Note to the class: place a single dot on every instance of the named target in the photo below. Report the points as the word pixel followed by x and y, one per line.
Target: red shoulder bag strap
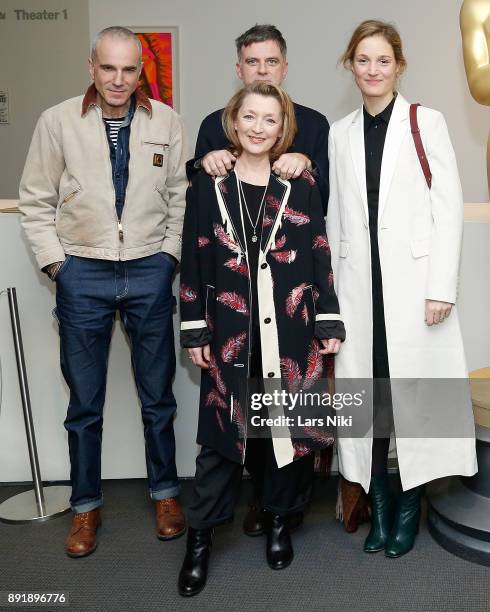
pixel 418 144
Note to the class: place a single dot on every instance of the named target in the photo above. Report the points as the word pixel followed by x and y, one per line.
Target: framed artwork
pixel 159 77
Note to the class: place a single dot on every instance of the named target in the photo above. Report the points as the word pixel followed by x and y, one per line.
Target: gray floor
pixel 132 570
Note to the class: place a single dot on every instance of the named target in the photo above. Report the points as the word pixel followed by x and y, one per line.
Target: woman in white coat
pixel 396 240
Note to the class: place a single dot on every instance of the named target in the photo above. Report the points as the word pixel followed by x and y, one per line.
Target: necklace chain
pixel 254 225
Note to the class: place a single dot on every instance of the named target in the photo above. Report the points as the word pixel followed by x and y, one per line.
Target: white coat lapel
pixel 226 189
pixel 356 141
pixel 395 133
pixel 276 200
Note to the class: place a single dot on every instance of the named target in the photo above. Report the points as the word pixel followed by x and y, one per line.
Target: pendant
pixel 254 238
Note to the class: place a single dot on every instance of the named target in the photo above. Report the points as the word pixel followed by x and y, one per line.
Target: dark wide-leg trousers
pixel 282 491
pixel 285 490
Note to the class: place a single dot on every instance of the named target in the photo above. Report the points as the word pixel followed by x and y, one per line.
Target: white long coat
pixel 419 233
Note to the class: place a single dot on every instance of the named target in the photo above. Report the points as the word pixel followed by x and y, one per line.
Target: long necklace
pixel 254 225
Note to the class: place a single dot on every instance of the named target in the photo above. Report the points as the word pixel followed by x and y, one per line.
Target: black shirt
pixel 254 198
pixel 374 140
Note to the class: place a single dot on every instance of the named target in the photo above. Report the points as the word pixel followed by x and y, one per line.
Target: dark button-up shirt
pixel 120 159
pixel 374 140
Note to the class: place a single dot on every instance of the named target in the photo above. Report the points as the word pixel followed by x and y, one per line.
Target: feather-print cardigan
pixel 297 302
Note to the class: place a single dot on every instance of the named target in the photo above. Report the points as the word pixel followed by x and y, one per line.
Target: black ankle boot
pixel 194 571
pixel 406 525
pixel 279 547
pixel 382 513
pixel 255 522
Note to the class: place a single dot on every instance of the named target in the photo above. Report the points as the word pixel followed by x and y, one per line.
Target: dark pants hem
pixel 217 484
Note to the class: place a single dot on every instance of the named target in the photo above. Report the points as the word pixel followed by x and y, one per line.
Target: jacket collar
pixel 399 111
pixel 395 133
pixel 384 116
pixel 398 128
pixel 275 201
pixel 90 99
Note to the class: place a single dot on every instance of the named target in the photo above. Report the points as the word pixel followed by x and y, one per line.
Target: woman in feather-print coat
pixel 297 313
pixel 295 297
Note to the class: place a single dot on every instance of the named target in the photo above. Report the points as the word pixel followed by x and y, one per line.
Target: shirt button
pixel 263 266
pixel 270 374
pixel 267 320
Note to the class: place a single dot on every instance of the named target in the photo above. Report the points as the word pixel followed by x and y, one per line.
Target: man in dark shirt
pixel 262 56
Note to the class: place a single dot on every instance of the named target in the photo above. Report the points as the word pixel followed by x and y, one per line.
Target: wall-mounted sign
pixel 4 106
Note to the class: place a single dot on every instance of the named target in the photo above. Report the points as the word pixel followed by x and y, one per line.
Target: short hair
pixel 373 27
pixel 262 88
pixel 260 33
pixel 115 32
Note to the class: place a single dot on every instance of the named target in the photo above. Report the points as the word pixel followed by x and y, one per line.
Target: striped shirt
pixel 114 125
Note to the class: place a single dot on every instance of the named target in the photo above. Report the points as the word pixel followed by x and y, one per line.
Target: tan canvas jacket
pixel 67 197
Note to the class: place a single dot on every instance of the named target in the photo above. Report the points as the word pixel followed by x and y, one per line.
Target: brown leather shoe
pixel 170 519
pixel 82 539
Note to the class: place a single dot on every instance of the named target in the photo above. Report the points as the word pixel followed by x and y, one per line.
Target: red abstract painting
pixel 157 75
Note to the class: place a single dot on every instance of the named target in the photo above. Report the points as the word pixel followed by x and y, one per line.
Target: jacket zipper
pixel 119 221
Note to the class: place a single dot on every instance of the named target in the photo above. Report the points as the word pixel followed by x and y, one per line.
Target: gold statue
pixel 474 21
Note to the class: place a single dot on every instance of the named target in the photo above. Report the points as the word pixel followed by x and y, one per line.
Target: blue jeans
pixel 88 293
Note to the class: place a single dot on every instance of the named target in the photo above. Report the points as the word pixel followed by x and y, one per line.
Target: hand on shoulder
pixel 218 163
pixel 291 165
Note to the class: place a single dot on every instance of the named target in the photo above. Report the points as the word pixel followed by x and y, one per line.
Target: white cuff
pixel 192 324
pixel 328 317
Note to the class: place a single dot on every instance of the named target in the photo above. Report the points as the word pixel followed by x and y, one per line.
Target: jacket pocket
pixel 344 248
pixel 63 267
pixel 310 302
pixel 155 142
pixel 157 152
pixel 69 192
pixel 420 247
pixel 161 193
pixel 210 307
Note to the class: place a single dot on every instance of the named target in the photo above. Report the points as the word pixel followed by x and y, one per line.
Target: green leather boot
pixel 406 525
pixel 382 513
